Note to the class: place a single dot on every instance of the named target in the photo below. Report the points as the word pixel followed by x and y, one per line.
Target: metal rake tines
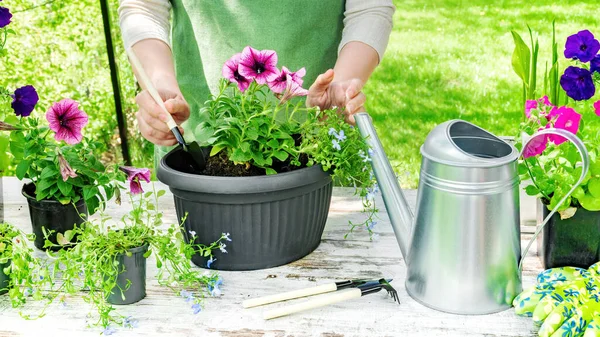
pixel 391 291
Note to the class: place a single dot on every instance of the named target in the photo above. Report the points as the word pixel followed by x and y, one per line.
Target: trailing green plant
pixel 91 261
pixel 255 120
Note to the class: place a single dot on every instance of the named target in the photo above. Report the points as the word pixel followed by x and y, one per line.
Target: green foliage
pixel 88 257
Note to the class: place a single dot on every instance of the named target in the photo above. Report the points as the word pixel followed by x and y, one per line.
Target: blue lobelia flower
pixel 213 288
pixel 335 144
pixel 371 224
pixel 109 331
pixel 128 322
pixel 197 308
pixel 578 83
pixel 226 236
pixel 222 247
pixel 582 46
pixel 332 131
pixel 192 233
pixel 187 295
pixel 210 261
pixel 595 64
pixel 341 136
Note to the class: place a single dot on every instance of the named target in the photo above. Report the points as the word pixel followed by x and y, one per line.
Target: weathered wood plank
pixel 164 313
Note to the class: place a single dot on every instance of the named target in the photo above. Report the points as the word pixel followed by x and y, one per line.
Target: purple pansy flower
pixel 24 100
pixel 582 46
pixel 5 17
pixel 65 169
pixel 258 65
pixel 231 72
pixel 578 83
pixel 135 176
pixel 67 121
pixel 595 64
pixel 279 83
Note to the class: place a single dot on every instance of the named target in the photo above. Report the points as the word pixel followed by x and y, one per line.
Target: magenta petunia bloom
pixel 279 83
pixel 66 120
pixel 65 169
pixel 582 46
pixel 231 72
pixel 135 176
pixel 24 100
pixel 597 108
pixel 260 66
pixel 568 119
pixel 536 146
pixel 530 105
pixel 5 17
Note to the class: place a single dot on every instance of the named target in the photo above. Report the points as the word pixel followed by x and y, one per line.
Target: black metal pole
pixel 114 76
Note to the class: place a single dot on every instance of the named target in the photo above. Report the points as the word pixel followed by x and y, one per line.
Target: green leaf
pixel 48 172
pixel 90 192
pixel 532 190
pixel 281 155
pixel 64 187
pixel 595 167
pixel 216 149
pixel 43 185
pixel 578 193
pixel 270 171
pixel 520 58
pixel 22 169
pixel 61 239
pixel 160 193
pixel 594 187
pixel 92 204
pixel 590 203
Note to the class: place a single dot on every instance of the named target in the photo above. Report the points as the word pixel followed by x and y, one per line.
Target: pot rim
pixel 238 185
pixel 44 201
pixel 142 248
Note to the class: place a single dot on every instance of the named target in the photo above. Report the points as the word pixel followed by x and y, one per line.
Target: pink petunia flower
pixel 568 119
pixel 279 83
pixel 536 146
pixel 260 66
pixel 292 90
pixel 231 72
pixel 597 108
pixel 65 169
pixel 135 176
pixel 545 101
pixel 66 120
pixel 530 105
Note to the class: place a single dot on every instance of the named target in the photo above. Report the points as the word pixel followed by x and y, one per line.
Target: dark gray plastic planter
pixel 570 242
pixel 273 220
pixel 133 269
pixel 52 215
pixel 4 279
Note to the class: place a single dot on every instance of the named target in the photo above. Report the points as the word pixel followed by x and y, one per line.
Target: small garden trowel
pixel 196 157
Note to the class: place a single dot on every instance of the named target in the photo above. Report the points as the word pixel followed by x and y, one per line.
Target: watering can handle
pixel 585 167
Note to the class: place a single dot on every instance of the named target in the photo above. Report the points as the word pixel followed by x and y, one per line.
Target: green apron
pixel 206 33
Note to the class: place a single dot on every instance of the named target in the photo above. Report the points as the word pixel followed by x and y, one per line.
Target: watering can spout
pixel 397 207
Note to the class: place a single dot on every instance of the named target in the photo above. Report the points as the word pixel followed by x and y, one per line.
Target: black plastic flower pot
pixel 273 220
pixel 131 282
pixel 4 278
pixel 52 215
pixel 569 242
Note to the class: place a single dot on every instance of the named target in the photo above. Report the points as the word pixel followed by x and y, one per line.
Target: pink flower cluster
pixel 261 66
pixel 558 117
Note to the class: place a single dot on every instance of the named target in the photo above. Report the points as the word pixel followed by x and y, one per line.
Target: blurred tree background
pixel 446 59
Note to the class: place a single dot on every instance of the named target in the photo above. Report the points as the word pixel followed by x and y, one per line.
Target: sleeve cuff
pixel 138 28
pixel 372 29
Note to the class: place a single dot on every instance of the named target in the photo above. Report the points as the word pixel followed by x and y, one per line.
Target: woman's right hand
pixel 152 119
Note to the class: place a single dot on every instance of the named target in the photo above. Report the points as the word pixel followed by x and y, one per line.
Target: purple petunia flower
pixel 582 46
pixel 595 64
pixel 231 72
pixel 258 65
pixel 5 17
pixel 279 84
pixel 24 100
pixel 197 308
pixel 135 176
pixel 67 121
pixel 578 83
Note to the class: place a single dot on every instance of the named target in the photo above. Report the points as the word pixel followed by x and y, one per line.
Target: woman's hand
pixel 152 119
pixel 326 93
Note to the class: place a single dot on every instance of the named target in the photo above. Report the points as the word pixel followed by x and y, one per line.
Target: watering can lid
pixel 460 143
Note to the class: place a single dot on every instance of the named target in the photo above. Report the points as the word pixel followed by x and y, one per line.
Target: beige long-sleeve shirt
pixel 367 21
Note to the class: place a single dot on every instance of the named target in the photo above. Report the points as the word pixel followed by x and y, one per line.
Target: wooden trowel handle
pixel 336 297
pixel 254 302
pixel 145 81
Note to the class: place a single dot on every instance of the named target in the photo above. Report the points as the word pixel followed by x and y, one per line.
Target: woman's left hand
pixel 347 95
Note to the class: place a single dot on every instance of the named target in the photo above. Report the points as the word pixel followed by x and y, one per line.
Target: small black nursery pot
pixel 132 271
pixel 4 279
pixel 52 215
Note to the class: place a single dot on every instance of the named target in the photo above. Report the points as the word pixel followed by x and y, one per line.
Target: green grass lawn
pixel 451 59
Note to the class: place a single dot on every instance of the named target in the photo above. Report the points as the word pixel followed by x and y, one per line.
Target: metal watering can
pixel 462 249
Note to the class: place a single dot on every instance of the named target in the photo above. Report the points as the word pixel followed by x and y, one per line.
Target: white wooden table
pixel 163 313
